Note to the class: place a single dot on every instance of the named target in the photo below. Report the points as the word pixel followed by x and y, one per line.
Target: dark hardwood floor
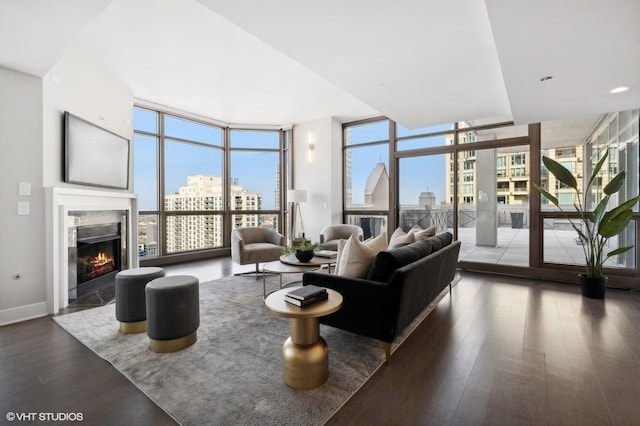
pixel 498 350
pixel 43 369
pixel 509 351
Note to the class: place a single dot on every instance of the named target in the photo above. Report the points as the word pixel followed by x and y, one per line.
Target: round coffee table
pixel 280 268
pixel 291 259
pixel 305 355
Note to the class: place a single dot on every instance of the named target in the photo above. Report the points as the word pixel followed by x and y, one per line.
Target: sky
pixel 256 171
pixel 417 174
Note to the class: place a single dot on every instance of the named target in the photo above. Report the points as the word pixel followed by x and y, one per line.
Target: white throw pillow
pixel 424 234
pixel 341 244
pixel 414 228
pixel 355 259
pixel 399 237
pixel 378 243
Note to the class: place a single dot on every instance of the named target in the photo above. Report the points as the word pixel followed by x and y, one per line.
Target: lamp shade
pixel 297 195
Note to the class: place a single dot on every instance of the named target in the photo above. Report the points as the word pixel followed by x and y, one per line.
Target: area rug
pixel 233 373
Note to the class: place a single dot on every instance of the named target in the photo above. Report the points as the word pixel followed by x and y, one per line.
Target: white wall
pixel 31 113
pixel 81 86
pixel 319 171
pixel 22 249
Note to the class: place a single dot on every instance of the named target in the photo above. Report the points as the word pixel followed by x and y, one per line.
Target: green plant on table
pixel 302 246
pixel 598 226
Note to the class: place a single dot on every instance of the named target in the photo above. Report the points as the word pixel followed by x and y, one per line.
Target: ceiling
pixel 419 62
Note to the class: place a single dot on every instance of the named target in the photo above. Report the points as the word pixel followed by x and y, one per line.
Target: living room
pixel 71 76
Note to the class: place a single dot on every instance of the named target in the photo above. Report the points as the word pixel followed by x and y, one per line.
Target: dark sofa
pixel 400 284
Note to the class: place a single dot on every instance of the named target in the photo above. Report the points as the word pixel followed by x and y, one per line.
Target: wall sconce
pixel 310 147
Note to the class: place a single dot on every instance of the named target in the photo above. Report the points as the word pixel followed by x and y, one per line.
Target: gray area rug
pixel 232 374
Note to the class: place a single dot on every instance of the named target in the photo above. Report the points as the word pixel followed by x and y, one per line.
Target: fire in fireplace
pixel 98 256
pixel 95 263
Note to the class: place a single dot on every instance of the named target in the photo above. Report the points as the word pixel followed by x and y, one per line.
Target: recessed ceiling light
pixel 546 77
pixel 619 89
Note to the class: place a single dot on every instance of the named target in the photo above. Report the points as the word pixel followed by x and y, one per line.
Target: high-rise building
pixel 200 231
pixel 513 175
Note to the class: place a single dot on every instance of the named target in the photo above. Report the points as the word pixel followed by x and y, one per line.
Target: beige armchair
pixel 255 245
pixel 330 235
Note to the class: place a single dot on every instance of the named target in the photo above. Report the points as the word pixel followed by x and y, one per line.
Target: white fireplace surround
pixel 61 201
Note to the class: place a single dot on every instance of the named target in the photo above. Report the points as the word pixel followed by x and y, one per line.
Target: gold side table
pixel 305 355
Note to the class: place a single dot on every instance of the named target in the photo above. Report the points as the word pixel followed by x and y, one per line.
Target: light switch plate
pixel 24 208
pixel 24 188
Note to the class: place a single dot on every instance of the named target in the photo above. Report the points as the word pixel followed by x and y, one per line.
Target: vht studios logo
pixel 45 417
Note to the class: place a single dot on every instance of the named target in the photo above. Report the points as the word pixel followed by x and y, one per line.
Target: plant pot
pixel 304 256
pixel 592 288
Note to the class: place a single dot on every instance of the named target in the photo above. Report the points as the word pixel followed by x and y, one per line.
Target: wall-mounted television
pixel 93 155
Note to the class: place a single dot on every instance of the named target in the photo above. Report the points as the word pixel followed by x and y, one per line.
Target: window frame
pixel 227 212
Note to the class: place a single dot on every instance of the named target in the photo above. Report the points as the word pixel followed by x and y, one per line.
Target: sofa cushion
pixel 355 258
pixel 440 240
pixel 386 262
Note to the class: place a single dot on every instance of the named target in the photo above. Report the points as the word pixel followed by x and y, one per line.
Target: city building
pixel 201 231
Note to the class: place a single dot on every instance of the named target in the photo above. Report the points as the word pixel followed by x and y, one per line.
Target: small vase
pixel 593 288
pixel 304 256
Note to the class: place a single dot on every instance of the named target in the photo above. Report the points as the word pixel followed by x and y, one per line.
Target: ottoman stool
pixel 173 312
pixel 130 304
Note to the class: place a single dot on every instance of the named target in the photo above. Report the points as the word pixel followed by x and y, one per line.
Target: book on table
pixel 306 292
pixel 330 254
pixel 306 302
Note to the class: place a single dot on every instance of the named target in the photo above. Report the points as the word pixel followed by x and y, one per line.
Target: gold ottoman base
pixel 305 366
pixel 133 327
pixel 173 345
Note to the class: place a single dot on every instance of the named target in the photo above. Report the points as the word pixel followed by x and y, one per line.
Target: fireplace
pixel 98 248
pixel 67 209
pixel 96 252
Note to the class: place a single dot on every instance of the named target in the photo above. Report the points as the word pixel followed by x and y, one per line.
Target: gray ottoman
pixel 130 304
pixel 173 312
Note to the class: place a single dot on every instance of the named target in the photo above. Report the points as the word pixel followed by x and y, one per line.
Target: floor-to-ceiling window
pixel 475 179
pixel 255 178
pixel 196 180
pixel 366 175
pixel 578 145
pixel 193 189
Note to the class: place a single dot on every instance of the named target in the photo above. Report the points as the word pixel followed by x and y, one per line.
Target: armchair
pixel 330 235
pixel 255 245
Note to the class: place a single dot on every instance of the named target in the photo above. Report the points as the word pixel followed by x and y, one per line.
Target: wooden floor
pixel 509 351
pixel 498 350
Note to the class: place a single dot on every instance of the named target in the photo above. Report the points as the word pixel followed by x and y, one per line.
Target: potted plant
pixel 303 250
pixel 594 228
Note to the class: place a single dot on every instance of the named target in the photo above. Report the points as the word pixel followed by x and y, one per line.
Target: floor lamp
pixel 297 196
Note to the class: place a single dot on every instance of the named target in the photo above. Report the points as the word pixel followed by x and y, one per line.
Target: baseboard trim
pixel 23 313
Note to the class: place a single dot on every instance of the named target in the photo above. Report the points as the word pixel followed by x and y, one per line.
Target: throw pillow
pixel 378 243
pixel 355 259
pixel 400 238
pixel 340 249
pixel 423 234
pixel 414 228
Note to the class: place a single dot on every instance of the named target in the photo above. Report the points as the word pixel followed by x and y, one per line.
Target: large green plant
pixel 597 226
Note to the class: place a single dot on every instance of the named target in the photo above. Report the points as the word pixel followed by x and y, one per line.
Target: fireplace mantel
pixel 61 201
